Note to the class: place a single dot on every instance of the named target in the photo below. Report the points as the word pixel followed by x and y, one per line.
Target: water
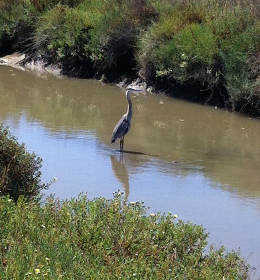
pixel 198 162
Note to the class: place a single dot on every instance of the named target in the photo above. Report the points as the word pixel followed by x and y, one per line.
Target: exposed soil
pixel 21 61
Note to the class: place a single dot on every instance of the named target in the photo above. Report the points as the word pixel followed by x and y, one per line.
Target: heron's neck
pixel 130 107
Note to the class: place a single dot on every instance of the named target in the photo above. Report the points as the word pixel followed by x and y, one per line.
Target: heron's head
pixel 133 89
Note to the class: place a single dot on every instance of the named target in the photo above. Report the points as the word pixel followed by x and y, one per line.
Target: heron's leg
pixel 123 143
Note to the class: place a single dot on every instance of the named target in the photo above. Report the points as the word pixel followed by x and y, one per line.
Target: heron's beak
pixel 136 88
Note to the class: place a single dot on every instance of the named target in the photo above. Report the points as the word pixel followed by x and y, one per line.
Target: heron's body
pixel 124 124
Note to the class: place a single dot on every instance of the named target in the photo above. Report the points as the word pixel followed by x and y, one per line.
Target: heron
pixel 124 124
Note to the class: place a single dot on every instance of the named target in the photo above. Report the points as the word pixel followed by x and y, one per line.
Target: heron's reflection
pixel 121 173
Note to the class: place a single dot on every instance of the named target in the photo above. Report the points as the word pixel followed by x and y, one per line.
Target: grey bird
pixel 124 124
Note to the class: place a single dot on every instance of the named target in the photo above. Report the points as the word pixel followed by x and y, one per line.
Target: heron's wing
pixel 120 129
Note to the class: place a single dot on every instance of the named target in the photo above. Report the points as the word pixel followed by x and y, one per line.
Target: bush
pixel 63 31
pixel 192 42
pixel 101 34
pixel 19 170
pixel 17 19
pixel 106 239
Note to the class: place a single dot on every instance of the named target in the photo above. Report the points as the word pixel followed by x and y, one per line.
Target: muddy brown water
pixel 198 162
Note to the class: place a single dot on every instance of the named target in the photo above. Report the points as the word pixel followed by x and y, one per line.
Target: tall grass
pixel 105 239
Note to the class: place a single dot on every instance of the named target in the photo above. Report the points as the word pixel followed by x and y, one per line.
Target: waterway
pixel 201 163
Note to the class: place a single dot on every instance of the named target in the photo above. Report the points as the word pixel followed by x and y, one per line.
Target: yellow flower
pixel 37 270
pixel 183 64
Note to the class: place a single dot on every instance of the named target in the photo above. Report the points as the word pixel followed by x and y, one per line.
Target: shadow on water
pixel 130 152
pixel 135 153
pixel 119 167
pixel 121 173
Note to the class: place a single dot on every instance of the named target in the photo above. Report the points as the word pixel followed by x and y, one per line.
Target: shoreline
pixel 19 60
pixel 217 98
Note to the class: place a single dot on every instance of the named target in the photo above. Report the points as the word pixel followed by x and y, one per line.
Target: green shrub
pixel 19 18
pixel 106 239
pixel 19 170
pixel 180 45
pixel 63 31
pixel 188 55
pixel 103 32
pixel 192 42
pixel 237 39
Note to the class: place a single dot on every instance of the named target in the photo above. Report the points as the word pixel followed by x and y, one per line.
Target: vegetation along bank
pixel 46 238
pixel 202 50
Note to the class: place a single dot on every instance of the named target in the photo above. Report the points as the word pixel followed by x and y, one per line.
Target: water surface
pixel 198 162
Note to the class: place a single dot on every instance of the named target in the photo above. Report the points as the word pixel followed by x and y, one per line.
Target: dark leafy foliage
pixel 19 170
